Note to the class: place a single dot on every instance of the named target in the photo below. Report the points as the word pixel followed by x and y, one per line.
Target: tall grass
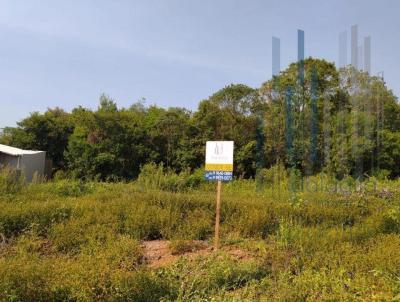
pixel 73 241
pixel 11 181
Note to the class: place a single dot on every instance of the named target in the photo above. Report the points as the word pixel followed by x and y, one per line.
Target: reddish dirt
pixel 158 254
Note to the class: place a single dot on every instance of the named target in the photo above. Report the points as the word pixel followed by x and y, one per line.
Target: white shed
pixel 28 162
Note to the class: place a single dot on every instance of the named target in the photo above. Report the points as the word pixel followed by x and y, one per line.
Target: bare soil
pixel 158 254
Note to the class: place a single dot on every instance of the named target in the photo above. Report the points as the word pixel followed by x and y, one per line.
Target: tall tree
pixel 48 132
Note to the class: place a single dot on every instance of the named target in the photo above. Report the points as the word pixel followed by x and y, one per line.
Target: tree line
pixel 341 122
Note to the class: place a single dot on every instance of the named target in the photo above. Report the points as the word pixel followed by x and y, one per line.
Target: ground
pixel 157 253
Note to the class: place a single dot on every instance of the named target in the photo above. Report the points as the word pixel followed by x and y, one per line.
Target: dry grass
pixel 84 242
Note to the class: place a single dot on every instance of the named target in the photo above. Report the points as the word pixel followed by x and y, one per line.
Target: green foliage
pixel 27 282
pixel 11 181
pixel 196 179
pixel 272 176
pixel 201 279
pixel 153 177
pixel 16 219
pixel 71 188
pixel 49 132
pixel 231 114
pixel 340 122
pixel 325 237
pixel 198 225
pixel 288 233
pixel 332 123
pixel 309 246
pixel 391 221
pixel 38 281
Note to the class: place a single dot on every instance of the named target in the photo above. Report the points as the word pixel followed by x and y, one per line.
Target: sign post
pixel 219 167
pixel 217 215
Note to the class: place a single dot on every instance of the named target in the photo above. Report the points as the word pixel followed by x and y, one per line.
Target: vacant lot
pixel 72 241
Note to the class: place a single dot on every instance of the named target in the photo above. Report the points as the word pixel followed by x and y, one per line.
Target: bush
pixel 68 237
pixel 288 233
pixel 315 246
pixel 153 177
pixel 71 188
pixel 122 252
pixel 196 225
pixel 142 286
pixel 198 280
pixel 11 181
pixel 271 177
pixel 382 174
pixel 16 219
pixel 86 280
pixel 148 223
pixel 254 222
pixel 195 179
pixel 28 281
pixel 391 221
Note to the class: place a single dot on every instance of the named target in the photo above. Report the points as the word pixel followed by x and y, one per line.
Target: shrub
pixel 28 281
pixel 254 222
pixel 142 286
pixel 68 237
pixel 271 177
pixel 288 233
pixel 198 280
pixel 391 221
pixel 195 179
pixel 382 174
pixel 146 223
pixel 71 188
pixel 122 252
pixel 153 177
pixel 15 219
pixel 11 181
pixel 317 246
pixel 197 225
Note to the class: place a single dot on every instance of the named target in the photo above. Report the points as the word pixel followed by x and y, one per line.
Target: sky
pixel 172 53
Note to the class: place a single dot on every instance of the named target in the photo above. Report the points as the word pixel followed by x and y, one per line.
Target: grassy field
pixel 72 241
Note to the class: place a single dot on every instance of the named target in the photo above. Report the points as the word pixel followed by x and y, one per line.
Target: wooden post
pixel 217 216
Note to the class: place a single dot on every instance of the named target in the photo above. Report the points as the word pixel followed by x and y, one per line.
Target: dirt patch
pixel 157 253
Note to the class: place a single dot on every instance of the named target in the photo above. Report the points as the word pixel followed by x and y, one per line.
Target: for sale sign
pixel 219 160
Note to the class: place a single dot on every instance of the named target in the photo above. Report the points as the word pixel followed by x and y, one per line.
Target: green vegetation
pixel 67 240
pixel 341 122
pixel 11 181
pixel 313 213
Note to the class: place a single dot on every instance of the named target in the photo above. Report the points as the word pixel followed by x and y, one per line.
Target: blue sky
pixel 171 52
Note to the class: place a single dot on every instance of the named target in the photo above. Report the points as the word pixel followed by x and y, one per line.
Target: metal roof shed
pixel 27 161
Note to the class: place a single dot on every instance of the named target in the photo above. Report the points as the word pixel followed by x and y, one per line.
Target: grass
pixel 180 247
pixel 73 241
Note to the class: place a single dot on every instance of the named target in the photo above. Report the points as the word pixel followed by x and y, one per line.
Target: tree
pixel 231 114
pixel 329 122
pixel 107 144
pixel 48 132
pixel 340 122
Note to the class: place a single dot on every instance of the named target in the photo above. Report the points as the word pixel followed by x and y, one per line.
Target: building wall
pixel 32 164
pixel 8 161
pixel 29 164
